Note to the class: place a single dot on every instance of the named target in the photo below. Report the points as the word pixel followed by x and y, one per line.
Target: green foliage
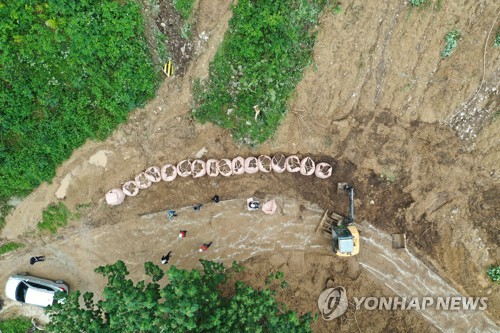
pixel 184 7
pixel 451 39
pixel 417 3
pixel 186 31
pixel 262 58
pixel 497 38
pixel 389 175
pixel 493 273
pixel 15 325
pixel 5 208
pixel 237 267
pixel 191 301
pixel 438 5
pixel 69 71
pixel 53 217
pixel 426 4
pixel 10 246
pixel 334 6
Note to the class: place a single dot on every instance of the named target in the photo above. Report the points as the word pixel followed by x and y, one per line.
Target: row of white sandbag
pixel 225 167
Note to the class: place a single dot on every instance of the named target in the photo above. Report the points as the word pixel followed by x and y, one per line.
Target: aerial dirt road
pixel 253 233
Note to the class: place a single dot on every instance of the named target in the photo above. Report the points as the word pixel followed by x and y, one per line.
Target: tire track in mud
pixel 381 67
pixel 409 277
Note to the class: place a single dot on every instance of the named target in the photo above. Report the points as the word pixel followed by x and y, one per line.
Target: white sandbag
pixel 264 163
pixel 184 168
pixel 269 207
pixel 225 167
pixel 142 181
pixel 238 165
pixel 307 166
pixel 323 170
pixel 115 197
pixel 251 165
pixel 292 163
pixel 198 168
pixel 168 172
pixel 278 163
pixel 153 173
pixel 212 168
pixel 130 188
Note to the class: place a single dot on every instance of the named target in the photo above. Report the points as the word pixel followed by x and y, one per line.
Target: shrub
pixel 184 7
pixel 69 71
pixel 5 208
pixel 54 217
pixel 191 301
pixel 15 325
pixel 497 39
pixel 493 273
pixel 451 39
pixel 417 3
pixel 262 57
pixel 9 247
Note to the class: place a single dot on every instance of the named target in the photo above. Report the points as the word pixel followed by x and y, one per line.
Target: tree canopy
pixel 190 301
pixel 69 70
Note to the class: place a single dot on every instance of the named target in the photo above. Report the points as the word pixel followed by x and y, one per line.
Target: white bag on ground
pixel 251 165
pixel 168 172
pixel 130 188
pixel 142 181
pixel 115 197
pixel 153 173
pixel 269 207
pixel 323 170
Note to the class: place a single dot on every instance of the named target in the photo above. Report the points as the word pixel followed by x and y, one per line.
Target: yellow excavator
pixel 345 235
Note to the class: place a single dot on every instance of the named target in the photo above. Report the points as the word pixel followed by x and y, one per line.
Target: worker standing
pixel 36 259
pixel 171 214
pixel 204 247
pixel 166 258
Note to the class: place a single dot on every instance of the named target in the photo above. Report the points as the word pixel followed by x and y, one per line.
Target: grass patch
pixel 69 71
pixel 493 273
pixel 497 38
pixel 15 325
pixel 53 217
pixel 418 3
pixel 184 7
pixel 426 4
pixel 451 39
pixel 9 247
pixel 335 7
pixel 5 208
pixel 389 175
pixel 262 58
pixel 438 5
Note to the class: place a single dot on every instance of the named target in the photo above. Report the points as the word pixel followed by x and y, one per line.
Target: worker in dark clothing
pixel 216 198
pixel 165 259
pixel 253 205
pixel 197 207
pixel 36 259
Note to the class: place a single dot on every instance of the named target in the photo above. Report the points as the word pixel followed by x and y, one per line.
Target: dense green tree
pixel 191 301
pixel 69 70
pixel 261 60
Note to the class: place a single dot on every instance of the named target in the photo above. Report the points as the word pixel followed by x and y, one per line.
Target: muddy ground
pixel 416 135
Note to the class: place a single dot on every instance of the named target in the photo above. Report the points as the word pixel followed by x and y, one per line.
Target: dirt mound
pixel 307 275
